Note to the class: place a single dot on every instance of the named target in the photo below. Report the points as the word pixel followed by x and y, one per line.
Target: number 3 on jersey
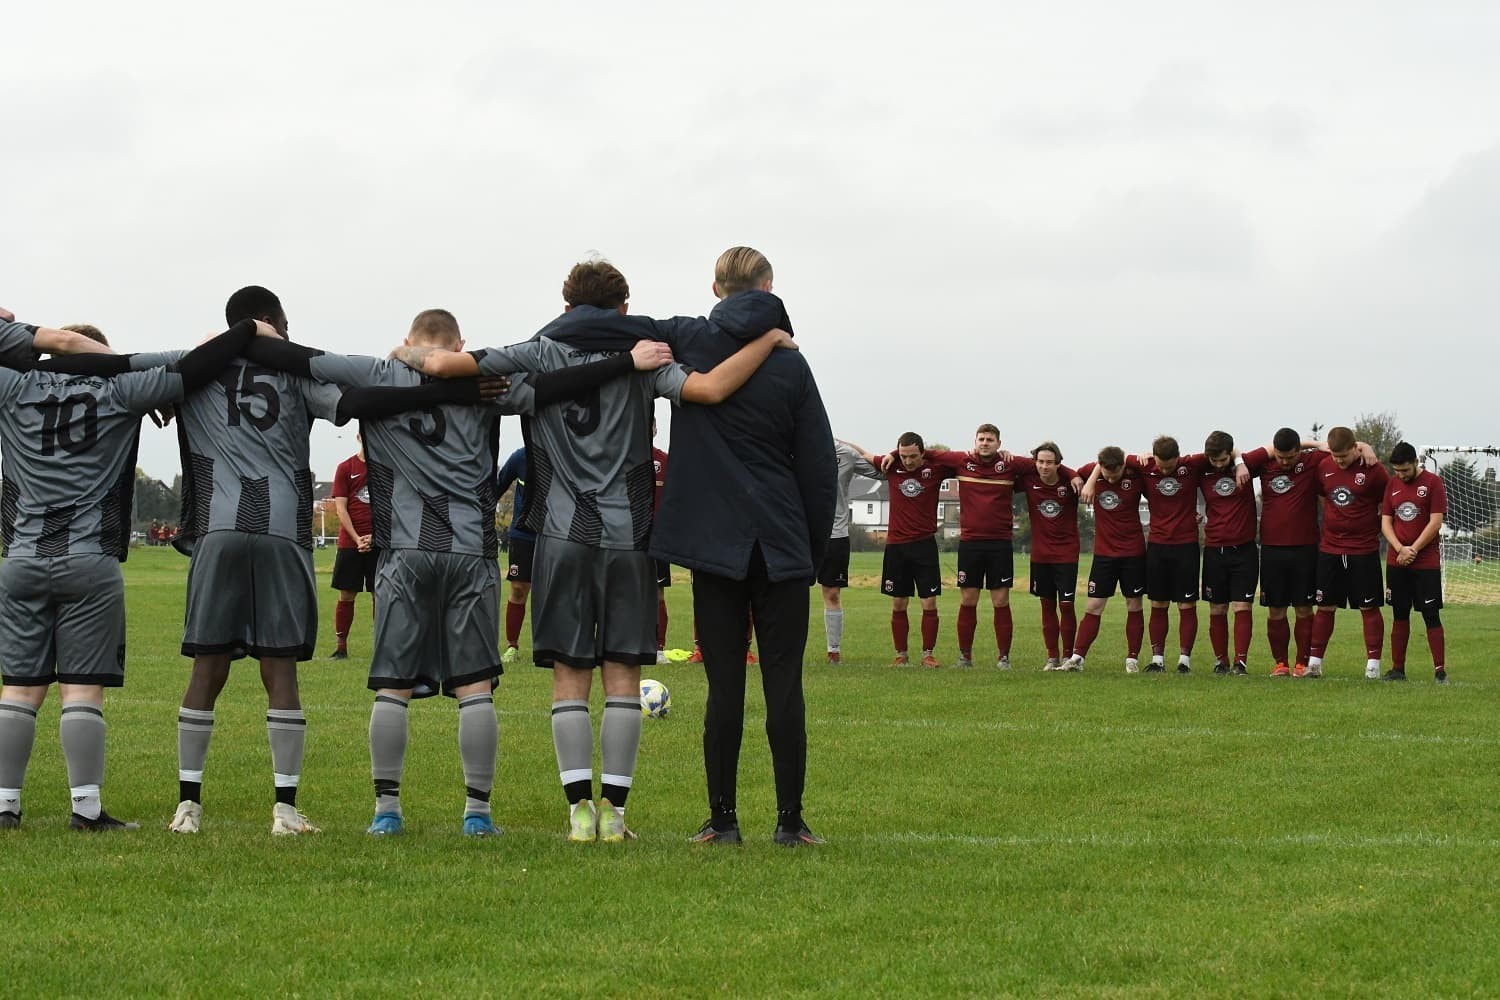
pixel 249 384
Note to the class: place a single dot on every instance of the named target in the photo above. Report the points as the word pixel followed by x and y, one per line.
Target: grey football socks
pixel 195 728
pixel 478 743
pixel 17 735
pixel 619 745
pixel 833 624
pixel 573 739
pixel 287 729
pixel 387 751
pixel 80 727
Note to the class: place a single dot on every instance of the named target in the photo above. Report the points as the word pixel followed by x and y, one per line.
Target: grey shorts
pixel 589 605
pixel 250 595
pixel 437 621
pixel 63 620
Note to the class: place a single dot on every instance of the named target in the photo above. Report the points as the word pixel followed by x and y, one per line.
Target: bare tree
pixel 1380 431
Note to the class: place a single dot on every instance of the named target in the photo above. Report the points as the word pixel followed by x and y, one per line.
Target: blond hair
pixel 739 269
pixel 435 326
pixel 88 330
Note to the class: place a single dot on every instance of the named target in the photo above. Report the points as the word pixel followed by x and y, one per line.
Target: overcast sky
pixel 1091 221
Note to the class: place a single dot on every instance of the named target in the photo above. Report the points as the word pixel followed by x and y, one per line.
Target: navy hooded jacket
pixel 758 468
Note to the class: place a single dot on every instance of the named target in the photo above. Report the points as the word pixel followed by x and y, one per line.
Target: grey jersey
pixel 245 464
pixel 851 464
pixel 69 458
pixel 591 476
pixel 16 344
pixel 431 471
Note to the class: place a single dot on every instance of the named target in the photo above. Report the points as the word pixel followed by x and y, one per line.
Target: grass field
pixel 1019 833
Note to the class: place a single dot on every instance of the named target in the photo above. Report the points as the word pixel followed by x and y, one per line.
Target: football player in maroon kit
pixel 1114 487
pixel 1411 516
pixel 911 555
pixel 1231 562
pixel 1172 547
pixel 1349 551
pixel 1052 500
pixel 986 561
pixel 1288 477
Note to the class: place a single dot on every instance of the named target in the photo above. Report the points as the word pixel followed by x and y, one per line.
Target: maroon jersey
pixel 914 499
pixel 1230 509
pixel 985 489
pixel 659 462
pixel 1288 497
pixel 1173 500
pixel 1054 514
pixel 1409 506
pixel 1117 513
pixel 349 481
pixel 1351 508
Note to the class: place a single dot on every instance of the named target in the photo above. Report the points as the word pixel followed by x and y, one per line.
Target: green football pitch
pixel 1020 833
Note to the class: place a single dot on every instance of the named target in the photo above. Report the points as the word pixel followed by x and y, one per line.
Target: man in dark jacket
pixel 748 509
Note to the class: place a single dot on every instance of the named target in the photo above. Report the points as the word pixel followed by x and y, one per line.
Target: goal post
pixel 1470 539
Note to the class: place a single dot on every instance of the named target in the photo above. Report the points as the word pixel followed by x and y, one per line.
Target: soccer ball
pixel 656 700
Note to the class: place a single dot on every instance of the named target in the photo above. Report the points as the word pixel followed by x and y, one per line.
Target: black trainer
pixel 1183 668
pixel 10 821
pixel 1220 668
pixel 1394 674
pixel 1155 668
pixel 708 835
pixel 797 836
pixel 1440 675
pixel 1239 669
pixel 339 654
pixel 103 823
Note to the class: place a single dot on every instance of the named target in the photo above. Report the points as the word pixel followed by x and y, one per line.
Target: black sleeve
pixel 372 402
pixel 566 383
pixel 815 465
pixel 203 363
pixel 85 364
pixel 282 355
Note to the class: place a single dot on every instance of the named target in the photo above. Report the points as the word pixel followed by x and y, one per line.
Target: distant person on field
pixel 355 559
pixel 1411 518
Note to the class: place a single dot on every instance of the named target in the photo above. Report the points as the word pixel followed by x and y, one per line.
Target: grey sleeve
pixel 522 357
pixel 10 386
pixel 155 359
pixel 142 392
pixel 350 369
pixel 668 380
pixel 17 343
pixel 321 398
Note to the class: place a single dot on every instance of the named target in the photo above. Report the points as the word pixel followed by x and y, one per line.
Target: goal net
pixel 1470 540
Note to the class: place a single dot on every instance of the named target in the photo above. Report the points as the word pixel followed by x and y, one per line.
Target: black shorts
pixel 1229 573
pixel 1129 572
pixel 1349 581
pixel 1407 588
pixel 987 565
pixel 1288 575
pixel 1172 572
pixel 911 567
pixel 354 570
pixel 834 571
pixel 663 572
pixel 522 552
pixel 1054 581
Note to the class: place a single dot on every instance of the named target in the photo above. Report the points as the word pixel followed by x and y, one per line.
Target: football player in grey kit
pixel 590 502
pixel 69 445
pixel 432 505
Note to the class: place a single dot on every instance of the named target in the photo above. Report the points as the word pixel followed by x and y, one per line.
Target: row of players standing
pixel 433 446
pixel 1305 563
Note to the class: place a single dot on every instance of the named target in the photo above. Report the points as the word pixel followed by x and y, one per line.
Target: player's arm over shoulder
pixel 729 375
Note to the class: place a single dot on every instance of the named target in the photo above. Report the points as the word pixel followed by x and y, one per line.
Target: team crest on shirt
pixel 1342 496
pixel 1408 511
pixel 1298 469
pixel 1359 479
pixel 1422 492
pixel 1000 466
pixel 911 488
pixel 656 466
pixel 926 473
pixel 1062 491
pixel 1109 501
pixel 1283 483
pixel 1224 486
pixel 1126 484
pixel 1049 508
pixel 1169 486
